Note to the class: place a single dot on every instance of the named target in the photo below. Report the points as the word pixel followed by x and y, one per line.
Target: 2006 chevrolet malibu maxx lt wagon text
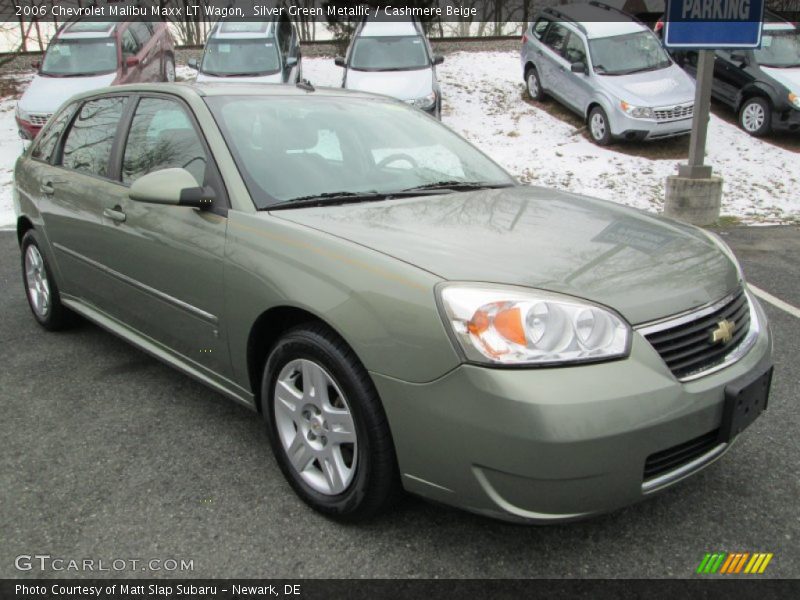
pixel 399 309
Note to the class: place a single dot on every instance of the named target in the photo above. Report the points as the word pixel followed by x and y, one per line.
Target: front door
pixel 170 258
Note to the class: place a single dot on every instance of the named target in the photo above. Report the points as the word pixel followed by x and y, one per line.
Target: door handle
pixel 115 214
pixel 539 52
pixel 47 188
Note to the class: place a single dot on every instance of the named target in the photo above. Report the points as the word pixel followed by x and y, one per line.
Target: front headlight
pixel 426 102
pixel 794 100
pixel 637 112
pixel 502 325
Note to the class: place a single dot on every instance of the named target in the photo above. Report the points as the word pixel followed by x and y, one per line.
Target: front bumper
pixel 787 120
pixel 625 127
pixel 544 445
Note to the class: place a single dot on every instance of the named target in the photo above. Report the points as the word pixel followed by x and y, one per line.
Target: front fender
pixel 384 308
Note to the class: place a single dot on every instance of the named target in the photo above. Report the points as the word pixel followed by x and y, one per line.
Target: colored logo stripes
pixel 734 563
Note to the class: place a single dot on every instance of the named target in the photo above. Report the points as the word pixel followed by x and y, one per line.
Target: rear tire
pixel 327 426
pixel 41 290
pixel 599 128
pixel 755 116
pixel 534 84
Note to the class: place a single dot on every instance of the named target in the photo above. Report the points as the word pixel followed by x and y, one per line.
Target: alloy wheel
pixel 533 85
pixel 315 427
pixel 598 126
pixel 753 117
pixel 36 280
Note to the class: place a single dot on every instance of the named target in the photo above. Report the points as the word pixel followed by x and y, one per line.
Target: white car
pixel 251 52
pixel 394 58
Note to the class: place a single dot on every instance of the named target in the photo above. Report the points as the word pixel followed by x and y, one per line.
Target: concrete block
pixel 695 201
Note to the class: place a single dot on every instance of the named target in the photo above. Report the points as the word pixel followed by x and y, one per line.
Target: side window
pixel 88 145
pixel 539 28
pixel 140 31
pixel 575 51
pixel 162 137
pixel 555 37
pixel 130 46
pixel 45 144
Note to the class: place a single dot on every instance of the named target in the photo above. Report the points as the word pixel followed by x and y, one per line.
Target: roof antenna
pixel 306 85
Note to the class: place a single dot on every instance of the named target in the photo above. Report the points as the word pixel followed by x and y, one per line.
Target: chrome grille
pixel 40 119
pixel 674 112
pixel 686 344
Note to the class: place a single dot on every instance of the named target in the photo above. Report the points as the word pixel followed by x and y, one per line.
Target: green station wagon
pixel 402 313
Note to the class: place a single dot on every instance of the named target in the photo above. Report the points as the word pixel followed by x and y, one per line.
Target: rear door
pixel 551 71
pixel 80 186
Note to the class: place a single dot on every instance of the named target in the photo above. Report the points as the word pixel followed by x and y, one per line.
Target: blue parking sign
pixel 712 24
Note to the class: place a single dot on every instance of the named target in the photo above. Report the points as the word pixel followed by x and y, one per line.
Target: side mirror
pixel 578 67
pixel 193 63
pixel 131 61
pixel 36 64
pixel 438 59
pixel 738 57
pixel 174 187
pixel 339 60
pixel 291 62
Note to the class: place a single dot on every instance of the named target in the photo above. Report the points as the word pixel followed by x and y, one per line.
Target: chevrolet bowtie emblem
pixel 723 333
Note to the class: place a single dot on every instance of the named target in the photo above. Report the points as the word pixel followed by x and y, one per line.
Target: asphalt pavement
pixel 107 454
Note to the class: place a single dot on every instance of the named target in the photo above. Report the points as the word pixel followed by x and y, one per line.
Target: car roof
pixel 211 89
pixel 388 28
pixel 77 30
pixel 598 21
pixel 233 30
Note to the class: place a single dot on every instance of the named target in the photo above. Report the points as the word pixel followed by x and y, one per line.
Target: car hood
pixel 271 78
pixel 403 85
pixel 786 77
pixel 652 88
pixel 47 94
pixel 641 265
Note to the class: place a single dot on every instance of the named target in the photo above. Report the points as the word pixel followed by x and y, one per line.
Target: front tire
pixel 534 84
pixel 41 290
pixel 599 127
pixel 169 69
pixel 327 426
pixel 755 116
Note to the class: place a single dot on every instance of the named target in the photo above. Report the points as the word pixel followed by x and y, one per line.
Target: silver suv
pixel 610 69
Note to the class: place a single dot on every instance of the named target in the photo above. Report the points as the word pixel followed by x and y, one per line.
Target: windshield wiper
pixel 333 198
pixel 327 199
pixel 458 186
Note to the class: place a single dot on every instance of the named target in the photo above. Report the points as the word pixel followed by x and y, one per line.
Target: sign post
pixel 695 195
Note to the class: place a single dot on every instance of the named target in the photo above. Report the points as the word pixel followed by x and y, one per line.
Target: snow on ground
pixel 483 101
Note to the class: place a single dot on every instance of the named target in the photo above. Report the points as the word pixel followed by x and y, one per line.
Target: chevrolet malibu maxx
pixel 400 310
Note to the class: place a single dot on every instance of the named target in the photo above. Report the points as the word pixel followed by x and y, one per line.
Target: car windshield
pixel 331 147
pixel 389 53
pixel 630 53
pixel 80 57
pixel 779 49
pixel 228 58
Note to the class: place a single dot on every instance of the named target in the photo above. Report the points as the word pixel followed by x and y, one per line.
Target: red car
pixel 86 55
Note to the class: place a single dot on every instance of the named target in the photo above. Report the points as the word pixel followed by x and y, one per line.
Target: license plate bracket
pixel 745 400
